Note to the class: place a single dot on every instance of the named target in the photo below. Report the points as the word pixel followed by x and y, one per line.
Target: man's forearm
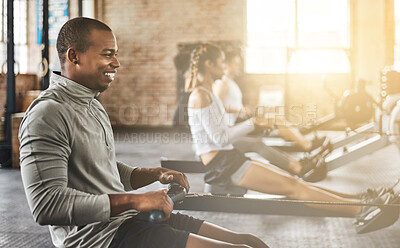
pixel 141 177
pixel 141 202
pixel 121 202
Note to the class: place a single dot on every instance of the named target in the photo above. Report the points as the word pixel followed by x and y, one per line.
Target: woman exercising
pixel 227 90
pixel 229 93
pixel 213 138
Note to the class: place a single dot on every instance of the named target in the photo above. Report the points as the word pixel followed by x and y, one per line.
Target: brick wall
pixel 144 92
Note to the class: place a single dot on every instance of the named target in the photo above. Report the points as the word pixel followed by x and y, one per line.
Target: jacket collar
pixel 73 89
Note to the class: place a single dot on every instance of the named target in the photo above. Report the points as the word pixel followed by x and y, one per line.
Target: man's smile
pixel 110 75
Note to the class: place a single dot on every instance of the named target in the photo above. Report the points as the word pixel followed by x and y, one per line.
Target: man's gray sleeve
pixel 45 148
pixel 125 172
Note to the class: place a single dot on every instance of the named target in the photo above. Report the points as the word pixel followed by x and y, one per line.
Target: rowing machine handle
pixel 177 193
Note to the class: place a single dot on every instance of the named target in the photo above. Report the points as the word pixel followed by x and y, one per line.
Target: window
pixel 297 36
pixel 397 33
pixel 88 8
pixel 20 35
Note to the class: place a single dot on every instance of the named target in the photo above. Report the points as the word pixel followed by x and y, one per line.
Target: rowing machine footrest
pixel 228 189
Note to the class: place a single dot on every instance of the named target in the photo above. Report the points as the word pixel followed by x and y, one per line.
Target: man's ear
pixel 72 55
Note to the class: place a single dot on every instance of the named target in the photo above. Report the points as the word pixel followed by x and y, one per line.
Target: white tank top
pixel 233 98
pixel 210 128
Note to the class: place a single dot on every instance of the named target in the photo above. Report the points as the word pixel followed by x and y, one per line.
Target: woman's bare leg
pixel 267 178
pixel 292 134
pixel 344 195
pixel 295 136
pixel 219 233
pixel 295 166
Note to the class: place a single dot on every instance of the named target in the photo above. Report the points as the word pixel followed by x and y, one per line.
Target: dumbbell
pixel 177 193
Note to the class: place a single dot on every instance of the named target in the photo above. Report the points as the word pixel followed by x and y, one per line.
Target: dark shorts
pixel 223 165
pixel 138 232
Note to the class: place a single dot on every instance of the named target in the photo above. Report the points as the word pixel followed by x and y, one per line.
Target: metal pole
pixel 45 42
pixel 5 152
pixel 80 8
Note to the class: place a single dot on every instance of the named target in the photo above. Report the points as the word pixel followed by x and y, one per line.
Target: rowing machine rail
pixel 251 204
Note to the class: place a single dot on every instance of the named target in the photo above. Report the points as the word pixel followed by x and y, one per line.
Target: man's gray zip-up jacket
pixel 68 165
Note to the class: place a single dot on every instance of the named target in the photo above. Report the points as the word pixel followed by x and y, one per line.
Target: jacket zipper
pixel 101 124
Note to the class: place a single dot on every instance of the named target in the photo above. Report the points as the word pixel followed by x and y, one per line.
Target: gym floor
pixel 144 147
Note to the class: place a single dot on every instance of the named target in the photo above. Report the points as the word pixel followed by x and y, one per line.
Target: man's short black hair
pixel 75 33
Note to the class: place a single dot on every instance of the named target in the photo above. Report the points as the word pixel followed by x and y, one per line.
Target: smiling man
pixel 72 180
pixel 93 63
